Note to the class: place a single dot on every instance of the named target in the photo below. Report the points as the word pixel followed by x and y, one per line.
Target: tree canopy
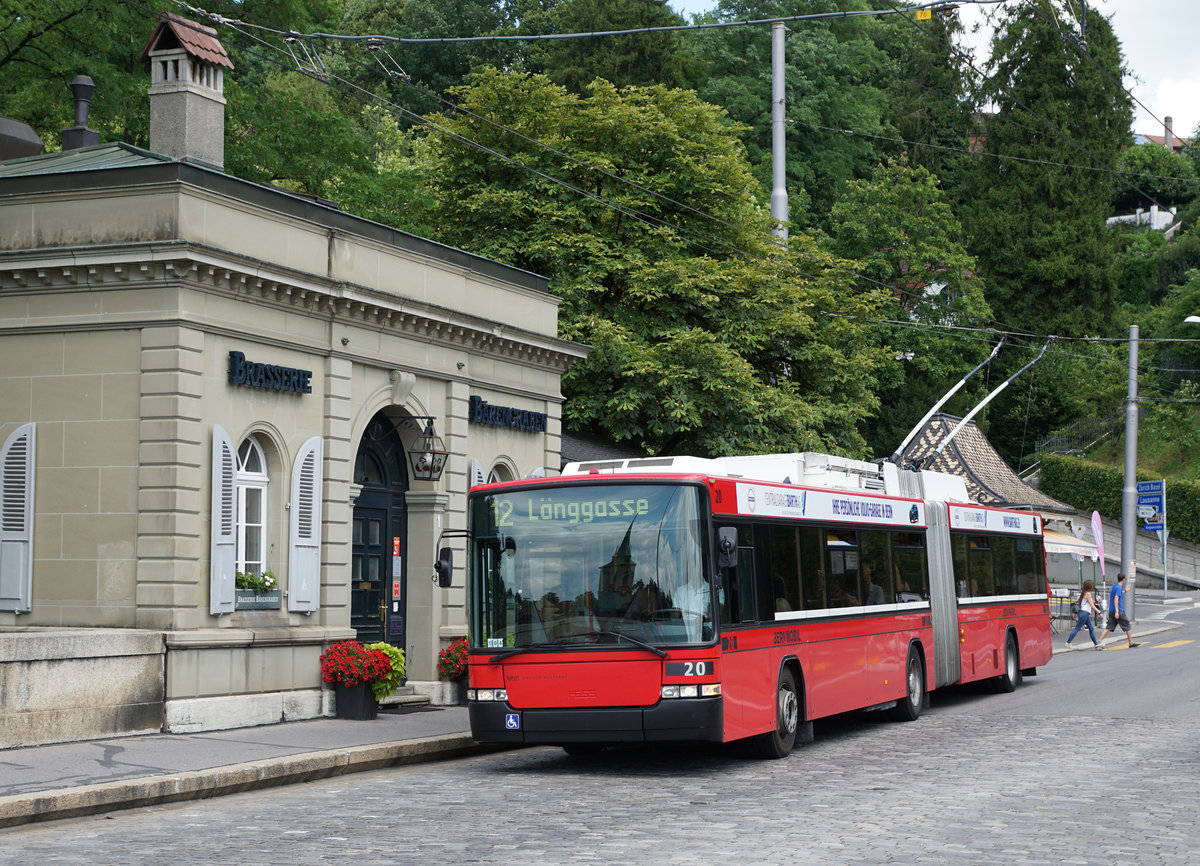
pixel 921 208
pixel 707 337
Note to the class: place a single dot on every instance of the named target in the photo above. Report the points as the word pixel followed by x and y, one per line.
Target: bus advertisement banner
pixel 974 517
pixel 767 501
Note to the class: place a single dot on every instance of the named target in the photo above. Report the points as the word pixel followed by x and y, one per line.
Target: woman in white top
pixel 1087 604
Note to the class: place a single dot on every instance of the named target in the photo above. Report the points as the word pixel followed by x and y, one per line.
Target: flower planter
pixel 355 702
pixel 249 599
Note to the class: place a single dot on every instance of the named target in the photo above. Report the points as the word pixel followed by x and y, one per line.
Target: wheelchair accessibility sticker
pixel 512 721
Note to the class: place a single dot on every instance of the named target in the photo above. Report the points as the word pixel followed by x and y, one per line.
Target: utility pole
pixel 779 199
pixel 1129 491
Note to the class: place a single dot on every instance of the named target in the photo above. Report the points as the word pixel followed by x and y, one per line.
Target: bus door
pixel 741 669
pixel 943 600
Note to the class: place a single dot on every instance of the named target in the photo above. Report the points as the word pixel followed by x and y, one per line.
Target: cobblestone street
pixel 951 788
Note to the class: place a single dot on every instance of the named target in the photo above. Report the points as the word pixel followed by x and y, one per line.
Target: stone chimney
pixel 187 84
pixel 1168 132
pixel 79 135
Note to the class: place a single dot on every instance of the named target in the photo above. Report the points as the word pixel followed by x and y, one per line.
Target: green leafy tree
pixel 44 44
pixel 899 226
pixel 927 100
pixel 1150 174
pixel 707 337
pixel 429 69
pixel 1035 206
pixel 1035 203
pixel 1138 249
pixel 290 131
pixel 643 58
pixel 832 74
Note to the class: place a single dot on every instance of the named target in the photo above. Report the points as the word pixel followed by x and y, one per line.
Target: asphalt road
pixel 1096 760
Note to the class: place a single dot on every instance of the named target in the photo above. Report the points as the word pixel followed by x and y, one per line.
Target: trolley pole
pixel 1129 491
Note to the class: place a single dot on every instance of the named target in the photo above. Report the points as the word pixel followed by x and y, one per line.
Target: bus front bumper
pixel 682 720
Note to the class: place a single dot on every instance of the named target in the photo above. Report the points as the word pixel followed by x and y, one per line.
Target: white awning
pixel 1060 542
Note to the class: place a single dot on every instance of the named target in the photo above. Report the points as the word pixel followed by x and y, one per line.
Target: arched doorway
pixel 379 536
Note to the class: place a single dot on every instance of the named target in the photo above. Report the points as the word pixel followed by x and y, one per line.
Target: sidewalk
pixel 65 780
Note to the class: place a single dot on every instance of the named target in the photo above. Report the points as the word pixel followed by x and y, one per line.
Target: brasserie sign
pixel 269 376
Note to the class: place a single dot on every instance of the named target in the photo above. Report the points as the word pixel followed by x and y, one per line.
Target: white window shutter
pixel 304 555
pixel 17 461
pixel 477 476
pixel 224 517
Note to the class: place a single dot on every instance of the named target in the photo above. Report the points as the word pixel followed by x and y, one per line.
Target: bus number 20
pixel 695 669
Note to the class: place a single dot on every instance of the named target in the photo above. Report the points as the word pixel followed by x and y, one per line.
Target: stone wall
pixel 60 685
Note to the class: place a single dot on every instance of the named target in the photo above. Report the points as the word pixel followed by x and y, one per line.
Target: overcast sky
pixel 1161 41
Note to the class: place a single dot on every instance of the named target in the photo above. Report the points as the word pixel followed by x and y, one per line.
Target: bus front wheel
pixel 780 742
pixel 1011 678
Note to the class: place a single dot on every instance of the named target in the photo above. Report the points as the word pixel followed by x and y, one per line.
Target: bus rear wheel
pixel 780 742
pixel 908 708
pixel 1011 678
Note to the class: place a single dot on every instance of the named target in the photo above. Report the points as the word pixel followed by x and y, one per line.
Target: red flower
pixel 452 661
pixel 348 663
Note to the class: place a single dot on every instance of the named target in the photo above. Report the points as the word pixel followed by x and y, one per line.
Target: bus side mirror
pixel 444 567
pixel 726 547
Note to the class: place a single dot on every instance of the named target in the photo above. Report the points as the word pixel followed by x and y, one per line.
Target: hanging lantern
pixel 427 454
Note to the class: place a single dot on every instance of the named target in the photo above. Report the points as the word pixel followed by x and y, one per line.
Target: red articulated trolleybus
pixel 685 599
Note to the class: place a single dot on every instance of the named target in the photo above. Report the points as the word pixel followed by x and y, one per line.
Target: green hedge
pixel 1095 487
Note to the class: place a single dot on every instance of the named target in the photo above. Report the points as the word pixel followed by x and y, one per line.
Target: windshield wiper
pixel 562 643
pixel 661 653
pixel 532 648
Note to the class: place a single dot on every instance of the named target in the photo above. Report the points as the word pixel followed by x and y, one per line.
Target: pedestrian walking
pixel 1086 605
pixel 1116 612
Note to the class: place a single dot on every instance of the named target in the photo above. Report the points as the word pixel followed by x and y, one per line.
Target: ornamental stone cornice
pixel 195 266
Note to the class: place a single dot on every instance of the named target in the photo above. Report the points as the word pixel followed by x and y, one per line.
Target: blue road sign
pixel 1152 504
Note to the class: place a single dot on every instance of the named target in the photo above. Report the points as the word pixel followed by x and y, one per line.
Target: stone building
pixel 201 377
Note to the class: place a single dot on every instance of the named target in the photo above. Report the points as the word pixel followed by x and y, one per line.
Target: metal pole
pixel 1164 535
pixel 1129 491
pixel 779 199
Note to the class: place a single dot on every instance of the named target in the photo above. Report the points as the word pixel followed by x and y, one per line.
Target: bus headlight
pixel 706 690
pixel 487 694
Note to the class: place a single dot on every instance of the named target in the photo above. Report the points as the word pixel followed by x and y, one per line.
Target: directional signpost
pixel 1152 508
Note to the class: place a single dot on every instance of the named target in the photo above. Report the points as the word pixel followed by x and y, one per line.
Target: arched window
pixel 252 480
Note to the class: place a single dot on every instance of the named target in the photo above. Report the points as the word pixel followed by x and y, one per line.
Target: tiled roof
pixel 199 41
pixel 95 158
pixel 989 479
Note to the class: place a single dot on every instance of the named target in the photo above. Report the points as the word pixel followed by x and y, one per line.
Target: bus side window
pixel 811 552
pixel 958 546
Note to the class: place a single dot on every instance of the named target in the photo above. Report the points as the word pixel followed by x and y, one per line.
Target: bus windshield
pixel 596 564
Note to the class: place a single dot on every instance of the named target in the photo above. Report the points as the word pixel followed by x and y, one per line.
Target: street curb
pixel 236 778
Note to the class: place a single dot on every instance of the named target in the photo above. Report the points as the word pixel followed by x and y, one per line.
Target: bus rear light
pixel 487 695
pixel 710 690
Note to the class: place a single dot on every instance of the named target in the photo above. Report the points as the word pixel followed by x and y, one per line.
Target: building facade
pixel 201 378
